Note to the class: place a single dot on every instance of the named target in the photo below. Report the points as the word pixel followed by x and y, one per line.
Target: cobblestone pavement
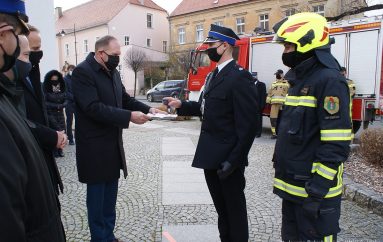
pixel 141 215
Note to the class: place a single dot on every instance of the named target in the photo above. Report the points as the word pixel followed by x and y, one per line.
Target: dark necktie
pixel 30 83
pixel 214 73
pixel 209 80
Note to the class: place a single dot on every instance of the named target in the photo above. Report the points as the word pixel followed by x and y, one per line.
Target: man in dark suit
pixel 261 90
pixel 103 109
pixel 229 111
pixel 35 108
pixel 69 108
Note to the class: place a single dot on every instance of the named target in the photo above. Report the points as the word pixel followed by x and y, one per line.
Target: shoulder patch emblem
pixel 331 104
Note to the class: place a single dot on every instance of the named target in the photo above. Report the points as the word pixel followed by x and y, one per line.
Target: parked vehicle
pixel 169 88
pixel 358 47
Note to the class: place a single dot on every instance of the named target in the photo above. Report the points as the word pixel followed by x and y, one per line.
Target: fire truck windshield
pixel 202 59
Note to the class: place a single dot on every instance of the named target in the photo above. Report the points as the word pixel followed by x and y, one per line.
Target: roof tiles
pixel 97 12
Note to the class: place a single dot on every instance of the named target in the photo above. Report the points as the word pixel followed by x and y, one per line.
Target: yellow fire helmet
pixel 307 30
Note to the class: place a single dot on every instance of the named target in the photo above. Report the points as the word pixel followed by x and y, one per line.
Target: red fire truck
pixel 358 47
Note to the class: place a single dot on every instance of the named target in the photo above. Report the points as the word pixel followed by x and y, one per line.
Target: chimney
pixel 58 12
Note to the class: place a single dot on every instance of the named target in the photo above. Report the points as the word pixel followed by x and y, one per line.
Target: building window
pixel 241 25
pixel 165 46
pixel 199 33
pixel 264 22
pixel 219 23
pixel 290 12
pixel 149 20
pixel 119 69
pixel 148 42
pixel 319 9
pixel 181 35
pixel 66 49
pixel 126 40
pixel 86 46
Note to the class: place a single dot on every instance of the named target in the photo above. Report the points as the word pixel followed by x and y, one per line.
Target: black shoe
pixel 61 154
pixel 273 136
pixel 71 142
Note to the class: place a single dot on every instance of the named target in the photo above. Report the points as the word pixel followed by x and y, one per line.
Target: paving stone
pixel 376 204
pixel 142 214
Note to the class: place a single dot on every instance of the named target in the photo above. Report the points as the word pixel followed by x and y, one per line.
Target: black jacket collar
pixel 220 76
pixel 300 71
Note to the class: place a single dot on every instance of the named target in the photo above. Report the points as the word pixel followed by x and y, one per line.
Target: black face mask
pixel 278 76
pixel 289 59
pixel 213 54
pixel 35 57
pixel 294 58
pixel 112 62
pixel 9 60
pixel 23 69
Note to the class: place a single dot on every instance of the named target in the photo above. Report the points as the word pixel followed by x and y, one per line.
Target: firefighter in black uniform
pixel 229 122
pixel 314 132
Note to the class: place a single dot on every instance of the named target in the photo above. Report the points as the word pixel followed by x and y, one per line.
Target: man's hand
pixel 173 102
pixel 311 207
pixel 225 171
pixel 61 139
pixel 138 117
pixel 155 110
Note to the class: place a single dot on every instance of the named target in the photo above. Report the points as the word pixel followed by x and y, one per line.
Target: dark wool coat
pixel 103 109
pixel 28 206
pixel 55 100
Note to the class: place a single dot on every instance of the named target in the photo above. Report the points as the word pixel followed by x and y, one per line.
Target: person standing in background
pixel 261 89
pixel 55 100
pixel 276 97
pixel 69 109
pixel 351 85
pixel 34 111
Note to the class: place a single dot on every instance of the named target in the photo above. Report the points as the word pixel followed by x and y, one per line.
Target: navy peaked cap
pixel 219 33
pixel 17 9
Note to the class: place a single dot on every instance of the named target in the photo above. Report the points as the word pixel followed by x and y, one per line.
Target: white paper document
pixel 161 116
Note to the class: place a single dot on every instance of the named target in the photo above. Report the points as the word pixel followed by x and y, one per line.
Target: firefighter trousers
pixel 296 226
pixel 274 112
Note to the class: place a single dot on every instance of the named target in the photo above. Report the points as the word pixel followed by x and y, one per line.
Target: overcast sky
pixel 169 5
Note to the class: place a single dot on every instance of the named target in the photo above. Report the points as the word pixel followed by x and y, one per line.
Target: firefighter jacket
pixel 277 92
pixel 314 133
pixel 351 86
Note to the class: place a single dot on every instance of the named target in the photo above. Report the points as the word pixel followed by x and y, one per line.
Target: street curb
pixel 362 195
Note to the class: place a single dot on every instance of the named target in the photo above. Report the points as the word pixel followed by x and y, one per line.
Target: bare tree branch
pixel 355 11
pixel 135 59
